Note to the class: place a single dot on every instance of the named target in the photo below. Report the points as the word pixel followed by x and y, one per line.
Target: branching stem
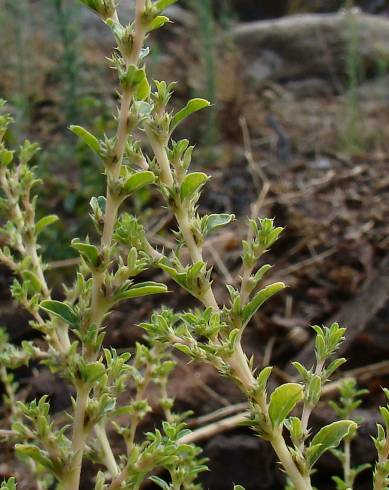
pixel 238 361
pixel 79 436
pixel 109 457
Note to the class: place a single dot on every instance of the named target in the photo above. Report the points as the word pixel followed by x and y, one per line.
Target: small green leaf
pixel 6 157
pixel 9 484
pixel 135 80
pixel 333 366
pixel 282 402
pixel 192 183
pixel 89 252
pixel 328 437
pixel 143 90
pixel 159 482
pixel 34 280
pixel 92 371
pixel 87 138
pixel 163 4
pixel 303 371
pixel 313 390
pixel 33 452
pixel 157 22
pixel 262 379
pixel 45 222
pixel 192 106
pixel 295 427
pixel 60 310
pixel 212 222
pixel 253 306
pixel 137 181
pixel 142 289
pixel 259 275
pixel 185 349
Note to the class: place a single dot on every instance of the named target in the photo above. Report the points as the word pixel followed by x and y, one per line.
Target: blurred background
pixel 298 131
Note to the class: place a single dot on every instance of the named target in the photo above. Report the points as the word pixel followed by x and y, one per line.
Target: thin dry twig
pixel 218 414
pixel 230 422
pixel 260 179
pixel 215 428
pixel 306 262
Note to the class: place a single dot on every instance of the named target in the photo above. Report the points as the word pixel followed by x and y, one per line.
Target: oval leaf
pixel 138 180
pixel 60 310
pixel 328 437
pixel 192 106
pixel 143 90
pixel 163 4
pixel 34 280
pixel 263 295
pixel 87 138
pixel 214 221
pixel 45 222
pixel 283 400
pixel 92 371
pixel 89 252
pixel 35 453
pixel 192 183
pixel 158 22
pixel 142 289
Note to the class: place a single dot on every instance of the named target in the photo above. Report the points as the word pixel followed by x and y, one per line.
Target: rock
pixel 315 45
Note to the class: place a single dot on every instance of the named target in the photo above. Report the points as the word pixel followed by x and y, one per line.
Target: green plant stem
pixel 238 361
pixel 109 458
pixel 162 159
pixel 61 332
pixel 8 434
pixel 97 311
pixel 239 364
pixel 347 462
pixel 244 289
pixel 112 206
pixel 134 419
pixel 283 453
pixel 379 478
pixel 79 436
pixel 16 415
pixel 307 410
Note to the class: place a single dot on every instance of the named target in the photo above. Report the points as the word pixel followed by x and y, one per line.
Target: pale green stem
pixel 162 159
pixel 72 480
pixel 8 434
pixel 307 410
pixel 109 220
pixel 283 453
pixel 238 361
pixel 112 206
pixel 109 458
pixel 97 311
pixel 379 478
pixel 244 290
pixel 347 462
pixel 31 250
pixel 37 264
pixel 239 364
